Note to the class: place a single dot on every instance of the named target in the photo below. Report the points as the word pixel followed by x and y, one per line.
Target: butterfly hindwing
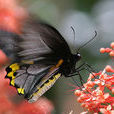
pixel 26 77
pixel 33 80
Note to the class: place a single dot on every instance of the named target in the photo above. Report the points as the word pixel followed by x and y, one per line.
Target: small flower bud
pixel 79 100
pixel 111 53
pixel 78 93
pixel 102 50
pixel 108 68
pixel 108 50
pixel 112 45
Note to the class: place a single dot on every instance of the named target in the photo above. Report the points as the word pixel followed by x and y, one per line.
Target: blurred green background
pixel 85 16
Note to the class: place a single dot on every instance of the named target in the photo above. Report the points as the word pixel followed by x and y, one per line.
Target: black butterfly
pixel 40 56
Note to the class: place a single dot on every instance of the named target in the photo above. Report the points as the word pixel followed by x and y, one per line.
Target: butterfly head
pixel 68 66
pixel 75 58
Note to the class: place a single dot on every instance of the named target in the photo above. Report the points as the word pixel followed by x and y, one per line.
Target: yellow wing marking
pixel 46 86
pixel 51 81
pixel 57 65
pixel 14 68
pixel 20 90
pixel 27 62
pixel 10 74
pixel 12 83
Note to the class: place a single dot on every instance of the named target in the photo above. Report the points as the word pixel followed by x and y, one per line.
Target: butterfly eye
pixel 78 55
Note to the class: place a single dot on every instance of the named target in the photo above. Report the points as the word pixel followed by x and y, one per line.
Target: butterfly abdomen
pixel 43 88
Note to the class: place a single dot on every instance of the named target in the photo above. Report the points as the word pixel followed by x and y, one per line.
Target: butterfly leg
pixel 80 68
pixel 84 66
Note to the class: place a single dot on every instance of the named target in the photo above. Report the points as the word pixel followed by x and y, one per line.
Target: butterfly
pixel 40 55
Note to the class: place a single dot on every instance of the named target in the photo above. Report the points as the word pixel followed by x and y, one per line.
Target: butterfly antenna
pixel 73 31
pixel 74 35
pixel 88 41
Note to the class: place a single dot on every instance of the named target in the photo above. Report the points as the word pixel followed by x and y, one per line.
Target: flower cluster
pixel 97 94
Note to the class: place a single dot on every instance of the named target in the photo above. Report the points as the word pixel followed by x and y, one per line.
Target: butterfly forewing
pixel 9 44
pixel 41 40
